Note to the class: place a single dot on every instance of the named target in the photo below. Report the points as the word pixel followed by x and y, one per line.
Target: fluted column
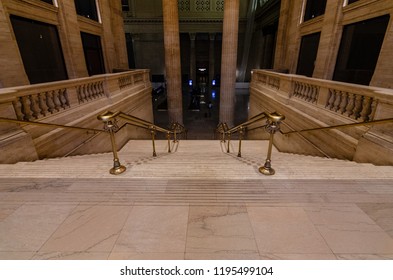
pixel 211 57
pixel 228 61
pixel 192 58
pixel 172 60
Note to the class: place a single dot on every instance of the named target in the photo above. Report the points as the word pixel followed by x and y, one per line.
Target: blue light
pixel 213 82
pixel 213 94
pixel 190 82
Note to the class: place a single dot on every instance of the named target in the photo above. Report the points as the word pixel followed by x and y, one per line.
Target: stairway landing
pixel 195 203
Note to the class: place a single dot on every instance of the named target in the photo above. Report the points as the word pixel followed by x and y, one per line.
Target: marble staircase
pixel 197 159
pixel 197 202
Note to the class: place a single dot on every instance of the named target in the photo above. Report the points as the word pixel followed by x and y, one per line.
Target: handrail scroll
pixel 111 126
pixel 272 125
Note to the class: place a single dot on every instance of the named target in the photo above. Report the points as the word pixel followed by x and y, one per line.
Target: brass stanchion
pixel 153 134
pixel 273 125
pixel 229 140
pixel 111 127
pixel 168 137
pixel 174 136
pixel 239 154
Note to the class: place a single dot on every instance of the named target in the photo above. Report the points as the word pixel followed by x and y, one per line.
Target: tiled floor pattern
pixel 220 208
pixel 174 219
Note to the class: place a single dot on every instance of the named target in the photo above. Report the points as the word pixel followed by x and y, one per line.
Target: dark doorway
pixel 40 49
pixel 308 54
pixel 93 53
pixel 359 50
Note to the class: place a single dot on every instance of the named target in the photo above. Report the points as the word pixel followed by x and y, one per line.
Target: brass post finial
pixel 272 126
pixel 111 126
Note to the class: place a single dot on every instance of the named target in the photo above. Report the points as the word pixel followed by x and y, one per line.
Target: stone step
pixel 202 159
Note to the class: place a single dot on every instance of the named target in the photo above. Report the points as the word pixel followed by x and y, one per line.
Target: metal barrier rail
pixel 111 126
pixel 272 126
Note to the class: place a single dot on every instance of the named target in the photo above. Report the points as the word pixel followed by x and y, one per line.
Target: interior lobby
pixel 194 130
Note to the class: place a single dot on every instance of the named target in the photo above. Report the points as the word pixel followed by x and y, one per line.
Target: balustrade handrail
pixel 132 120
pixel 380 121
pixel 110 121
pixel 252 120
pixel 94 130
pixel 272 126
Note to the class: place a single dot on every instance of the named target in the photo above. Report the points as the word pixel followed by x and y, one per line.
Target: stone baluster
pixel 27 114
pixel 307 92
pixel 373 109
pixel 337 102
pixel 101 88
pixel 299 90
pixel 56 99
pixel 63 99
pixel 94 90
pixel 329 99
pixel 315 95
pixel 18 108
pixel 42 103
pixel 344 102
pixel 81 93
pixel 358 106
pixel 89 91
pixel 49 101
pixel 34 106
pixel 350 105
pixel 365 113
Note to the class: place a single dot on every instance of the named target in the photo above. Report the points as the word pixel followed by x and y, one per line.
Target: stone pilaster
pixel 172 60
pixel 14 74
pixel 229 60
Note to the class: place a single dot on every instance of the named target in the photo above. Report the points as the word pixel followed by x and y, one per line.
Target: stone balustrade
pixel 75 102
pixel 355 101
pixel 310 103
pixel 34 102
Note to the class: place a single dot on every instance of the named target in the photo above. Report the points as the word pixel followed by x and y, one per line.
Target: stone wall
pixel 69 25
pixel 313 103
pixel 75 103
pixel 292 28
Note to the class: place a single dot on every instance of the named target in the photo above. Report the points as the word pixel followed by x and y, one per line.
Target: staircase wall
pixel 74 102
pixel 311 103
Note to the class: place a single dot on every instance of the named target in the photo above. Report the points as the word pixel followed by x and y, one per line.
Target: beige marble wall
pixel 84 99
pixel 15 73
pixel 69 24
pixel 292 28
pixel 312 103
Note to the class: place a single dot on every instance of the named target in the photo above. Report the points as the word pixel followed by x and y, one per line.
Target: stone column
pixel 172 60
pixel 192 59
pixel 211 57
pixel 228 61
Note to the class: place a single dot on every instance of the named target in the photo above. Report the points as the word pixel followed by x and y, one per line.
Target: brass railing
pixel 178 129
pixel 272 126
pixel 94 130
pixel 111 126
pixel 365 123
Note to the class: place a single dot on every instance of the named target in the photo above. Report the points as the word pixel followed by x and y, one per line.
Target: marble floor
pixel 149 212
